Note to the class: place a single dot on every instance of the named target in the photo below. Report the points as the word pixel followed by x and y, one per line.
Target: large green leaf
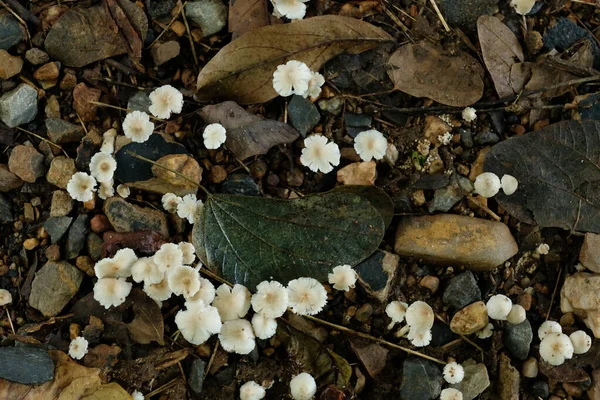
pixel 250 239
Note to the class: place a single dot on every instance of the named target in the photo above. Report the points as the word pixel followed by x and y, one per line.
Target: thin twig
pixel 373 338
pixel 558 278
pixel 23 12
pixel 212 359
pixel 99 103
pixel 12 327
pixel 179 174
pixel 161 389
pixel 187 28
pixel 168 26
pixel 440 16
pixel 18 17
pixel 50 142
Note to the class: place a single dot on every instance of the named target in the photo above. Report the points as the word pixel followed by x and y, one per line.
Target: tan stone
pixel 509 380
pixel 182 163
pixel 8 180
pixel 453 239
pixel 60 172
pixel 26 163
pixel 9 65
pixel 61 204
pixel 470 319
pixel 361 173
pixel 589 255
pixel 83 97
pixel 580 294
pixel 435 127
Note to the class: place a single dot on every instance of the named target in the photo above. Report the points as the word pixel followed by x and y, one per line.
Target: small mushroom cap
pixel 168 257
pixel 232 303
pixel 419 338
pixel 469 114
pixel 419 316
pixel 581 341
pixel 516 315
pixel 189 252
pixel 307 296
pixel 548 327
pixel 498 307
pixel 5 297
pixel 252 391
pixel 206 293
pixel 522 7
pixel 510 184
pixel 237 336
pixel 451 394
pixel 396 310
pixel 555 348
pixel 303 387
pixel 78 348
pixel 111 291
pixel 271 299
pixel 486 332
pixel 453 372
pixel 343 277
pixel 198 322
pixel 184 280
pixel 487 184
pixel 264 328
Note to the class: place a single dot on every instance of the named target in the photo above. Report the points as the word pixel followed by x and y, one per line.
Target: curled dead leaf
pixel 424 70
pixel 243 70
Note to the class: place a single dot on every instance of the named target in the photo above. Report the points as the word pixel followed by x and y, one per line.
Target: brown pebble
pixel 364 312
pixel 85 264
pixel 525 301
pixel 204 350
pixel 518 130
pixel 411 281
pixel 430 282
pixel 572 389
pixel 567 319
pixel 31 243
pixel 268 351
pixel 258 169
pixel 3 269
pixel 91 204
pixel 99 223
pixel 53 252
pixel 217 174
pixel 74 331
pixel 28 212
pixel 295 178
pixel 272 180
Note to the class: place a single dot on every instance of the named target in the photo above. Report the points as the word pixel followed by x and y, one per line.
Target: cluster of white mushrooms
pixel 419 318
pixel 489 184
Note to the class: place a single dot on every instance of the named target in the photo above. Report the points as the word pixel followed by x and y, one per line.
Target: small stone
pixel 421 380
pixel 26 163
pixel 10 31
pixel 60 172
pixel 208 15
pixel 37 56
pixel 486 138
pixel 218 174
pixel 594 391
pixel 525 300
pixel 517 339
pixel 466 138
pixel 357 123
pixel 581 294
pixel 8 180
pixel 28 365
pixel 462 290
pixel 69 80
pixel 61 204
pixel 160 8
pixel 94 245
pixel 434 128
pixel 53 286
pixel 445 198
pixel 540 390
pixel 57 227
pixel 465 13
pixel 475 381
pixel 430 282
pixel 126 217
pixel 509 380
pixel 333 106
pixel 52 109
pixel 364 313
pixel 303 115
pixel 28 212
pixel 102 356
pixel 82 98
pixel 589 255
pixel 53 252
pixel 163 52
pixel 47 74
pixel 185 165
pixel 470 319
pixel 196 377
pixel 76 237
pixel 441 334
pixel 530 368
pixel 372 355
pixel 61 131
pixel 86 150
pixel 140 101
pixel 453 239
pixel 361 173
pixel 100 223
pixel 377 273
pixel 240 184
pixel 19 106
pixel 9 65
pixel 85 264
pixel 31 243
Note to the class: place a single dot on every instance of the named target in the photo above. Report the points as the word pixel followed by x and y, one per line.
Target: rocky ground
pixel 70 71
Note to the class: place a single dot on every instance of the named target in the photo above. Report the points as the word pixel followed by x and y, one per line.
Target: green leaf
pixel 251 239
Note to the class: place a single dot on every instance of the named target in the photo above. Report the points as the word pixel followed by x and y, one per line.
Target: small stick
pixel 23 12
pixel 168 26
pixel 161 389
pixel 187 28
pixel 212 359
pixel 463 337
pixel 17 16
pixel 554 292
pixel 12 327
pixel 440 16
pixel 99 103
pixel 50 142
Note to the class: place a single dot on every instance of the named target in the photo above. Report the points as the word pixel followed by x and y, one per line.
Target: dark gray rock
pixel 6 214
pixel 462 290
pixel 517 339
pixel 333 105
pixel 53 286
pixel 240 184
pixel 197 375
pixel 377 273
pixel 140 102
pixel 565 33
pixel 57 227
pixel 445 198
pixel 159 8
pixel 127 217
pixel 26 365
pixel 19 106
pixel 539 389
pixel 466 138
pixel 421 380
pixel 487 137
pixel 464 13
pixel 208 15
pixel 94 246
pixel 303 115
pixel 589 108
pixel 10 32
pixel 76 237
pixel 37 56
pixel 441 334
pixel 61 131
pixel 357 123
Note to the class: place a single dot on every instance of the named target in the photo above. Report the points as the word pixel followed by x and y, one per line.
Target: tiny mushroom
pixel 164 101
pixel 5 297
pixel 237 336
pixel 319 155
pixel 232 303
pixel 184 280
pixel 188 207
pixel 469 114
pixel 264 328
pixel 343 277
pixel 111 291
pixel 498 307
pixel 78 348
pixel 170 201
pixel 516 315
pixel 270 300
pixel 293 76
pixel 303 387
pixel 487 184
pixel 103 167
pixel 189 252
pixel 158 291
pixel 451 394
pixel 137 126
pixel 135 395
pixel 214 136
pixel 510 184
pixel 370 145
pixel 453 372
pixel 548 327
pixel 81 186
pixel 252 391
pixel 198 322
pixel 419 338
pixel 306 296
pixel 168 257
pixel 555 348
pixel 206 293
pixel 486 332
pixel 146 270
pixel 581 341
pixel 419 316
pixel 396 310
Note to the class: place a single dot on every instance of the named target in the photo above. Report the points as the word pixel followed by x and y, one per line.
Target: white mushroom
pixel 498 307
pixel 453 372
pixel 510 184
pixel 303 387
pixel 198 323
pixel 548 327
pixel 271 299
pixel 5 297
pixel 78 348
pixel 343 277
pixel 486 332
pixel 516 315
pixel 252 391
pixel 581 341
pixel 184 280
pixel 237 336
pixel 487 184
pixel 555 348
pixel 232 303
pixel 264 328
pixel 451 394
pixel 306 296
pixel 111 291
pixel 419 316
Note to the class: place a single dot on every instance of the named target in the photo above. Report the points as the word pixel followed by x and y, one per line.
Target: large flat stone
pixel 26 365
pixel 453 239
pixel 377 273
pixel 126 217
pixel 53 286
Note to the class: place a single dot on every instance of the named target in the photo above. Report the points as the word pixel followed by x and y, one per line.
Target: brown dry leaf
pixel 424 70
pixel 501 50
pixel 148 325
pixel 248 134
pixel 243 70
pixel 71 382
pixel 246 15
pixel 360 9
pixel 111 391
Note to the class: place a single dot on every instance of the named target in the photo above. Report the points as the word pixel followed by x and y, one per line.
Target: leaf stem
pixel 179 174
